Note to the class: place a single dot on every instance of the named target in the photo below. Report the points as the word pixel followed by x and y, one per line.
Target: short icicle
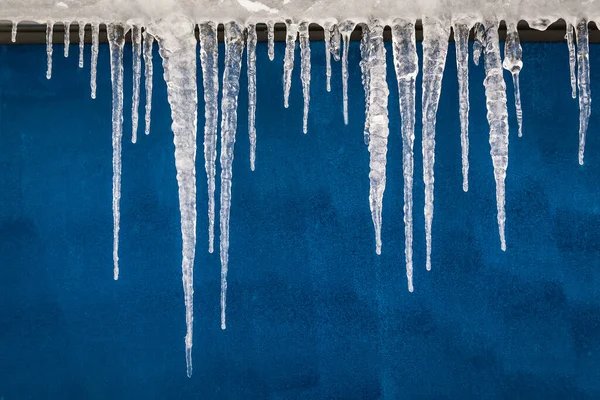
pixel 81 42
pixel 148 76
pixel 271 39
pixel 336 42
pixel 479 42
pixel 497 116
pixel 49 29
pixel 571 45
pixel 406 63
pixel 177 44
pixel 251 66
pixel 136 51
pixel 461 41
pixel 67 38
pixel 305 70
pixel 346 29
pixel 365 75
pixel 288 61
pixel 327 37
pixel 234 47
pixel 13 33
pixel 435 49
pixel 116 40
pixel 209 61
pixel 94 61
pixel 378 123
pixel 583 81
pixel 513 62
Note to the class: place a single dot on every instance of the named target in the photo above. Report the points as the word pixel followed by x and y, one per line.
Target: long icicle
pixel 571 45
pixel 461 41
pixel 94 62
pixel 148 76
pixel 209 60
pixel 346 29
pixel 136 52
pixel 513 62
pixel 81 42
pixel 583 81
pixel 116 39
pixel 406 63
pixel 178 52
pixel 365 75
pixel 67 38
pixel 327 37
pixel 378 123
pixel 497 115
pixel 435 48
pixel 234 47
pixel 251 66
pixel 271 39
pixel 305 71
pixel 13 33
pixel 288 62
pixel 49 29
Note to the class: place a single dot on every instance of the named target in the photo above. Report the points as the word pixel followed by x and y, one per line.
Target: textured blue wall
pixel 313 313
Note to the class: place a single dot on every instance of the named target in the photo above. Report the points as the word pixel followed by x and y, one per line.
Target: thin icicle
pixel 136 51
pixel 81 42
pixel 148 74
pixel 479 42
pixel 305 71
pixel 346 29
pixel 571 44
pixel 271 39
pixel 116 39
pixel 365 78
pixel 251 62
pixel 209 57
pixel 513 62
pixel 67 38
pixel 406 63
pixel 327 33
pixel 336 42
pixel 583 80
pixel 435 48
pixel 178 51
pixel 49 28
pixel 461 41
pixel 497 115
pixel 13 33
pixel 94 62
pixel 234 46
pixel 288 62
pixel 378 122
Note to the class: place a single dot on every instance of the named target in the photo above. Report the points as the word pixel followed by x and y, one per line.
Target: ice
pixel 336 43
pixel 271 39
pixel 94 62
pixel 148 74
pixel 288 61
pixel 67 38
pixel 136 52
pixel 209 58
pixel 49 28
pixel 81 42
pixel 513 55
pixel 13 33
pixel 435 48
pixel 461 41
pixel 327 37
pixel 479 42
pixel 346 29
pixel 583 80
pixel 234 47
pixel 571 46
pixel 365 75
pixel 251 67
pixel 305 70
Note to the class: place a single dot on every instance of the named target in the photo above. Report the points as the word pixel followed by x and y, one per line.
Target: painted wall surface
pixel 313 313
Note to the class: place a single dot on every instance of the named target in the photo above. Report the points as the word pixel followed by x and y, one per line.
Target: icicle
pixel 305 71
pixel 67 38
pixel 335 42
pixel 148 73
pixel 271 39
pixel 94 62
pixel 406 63
pixel 81 42
pixel 583 80
pixel 571 44
pixel 251 62
pixel 365 78
pixel 461 41
pixel 49 28
pixel 136 51
pixel 116 39
pixel 513 54
pixel 435 48
pixel 327 33
pixel 479 42
pixel 378 122
pixel 209 57
pixel 234 46
pixel 346 29
pixel 497 115
pixel 177 43
pixel 288 62
pixel 13 33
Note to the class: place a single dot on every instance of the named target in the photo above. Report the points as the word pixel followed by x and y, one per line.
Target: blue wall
pixel 313 313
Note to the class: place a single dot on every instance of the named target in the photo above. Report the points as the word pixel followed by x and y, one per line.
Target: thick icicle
pixel 116 39
pixel 461 41
pixel 209 57
pixel 365 75
pixel 13 33
pixel 81 42
pixel 94 62
pixel 497 115
pixel 378 123
pixel 406 63
pixel 148 73
pixel 327 33
pixel 67 38
pixel 251 62
pixel 513 55
pixel 479 42
pixel 234 46
pixel 571 44
pixel 49 28
pixel 271 39
pixel 583 81
pixel 288 62
pixel 177 43
pixel 305 70
pixel 136 51
pixel 346 29
pixel 435 48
